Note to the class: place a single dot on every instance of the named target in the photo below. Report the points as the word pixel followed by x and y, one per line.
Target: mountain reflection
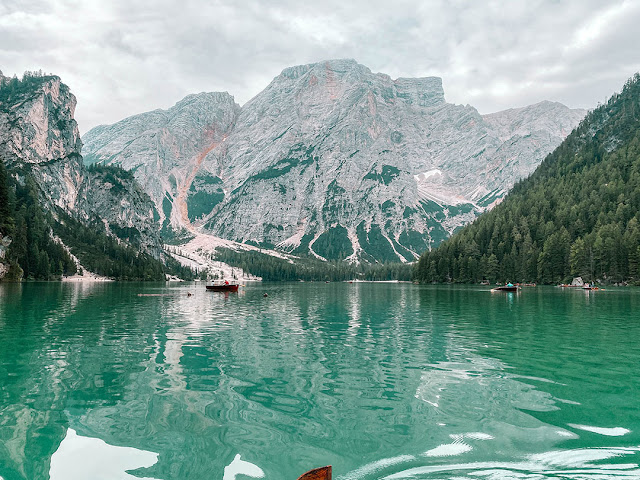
pixel 177 387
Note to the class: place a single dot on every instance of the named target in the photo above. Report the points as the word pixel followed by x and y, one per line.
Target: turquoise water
pixel 380 380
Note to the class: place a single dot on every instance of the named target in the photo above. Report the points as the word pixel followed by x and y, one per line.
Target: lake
pixel 392 381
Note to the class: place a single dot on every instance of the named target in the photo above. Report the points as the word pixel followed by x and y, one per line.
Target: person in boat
pixel 509 284
pixel 226 282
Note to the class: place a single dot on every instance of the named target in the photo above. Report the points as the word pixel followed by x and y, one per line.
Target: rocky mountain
pixel 39 139
pixel 330 160
pixel 577 215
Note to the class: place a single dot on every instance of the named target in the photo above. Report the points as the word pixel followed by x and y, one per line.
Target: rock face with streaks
pixel 331 160
pixel 39 136
pixel 166 149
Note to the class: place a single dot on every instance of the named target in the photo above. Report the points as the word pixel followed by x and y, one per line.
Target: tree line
pixel 272 268
pixel 13 88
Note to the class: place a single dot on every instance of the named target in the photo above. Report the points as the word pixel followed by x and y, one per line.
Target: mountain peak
pixel 43 107
pixel 338 66
pixel 204 98
pixel 424 91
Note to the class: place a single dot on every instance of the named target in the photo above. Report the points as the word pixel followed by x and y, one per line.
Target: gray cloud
pixel 122 57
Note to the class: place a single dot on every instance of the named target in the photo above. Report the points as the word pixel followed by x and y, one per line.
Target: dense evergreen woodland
pixel 36 251
pixel 578 214
pixel 42 242
pixel 310 269
pixel 32 252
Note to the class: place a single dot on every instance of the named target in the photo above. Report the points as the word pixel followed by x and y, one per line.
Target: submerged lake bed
pixel 381 380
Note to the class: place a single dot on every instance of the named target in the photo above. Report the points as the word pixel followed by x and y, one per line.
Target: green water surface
pixel 386 381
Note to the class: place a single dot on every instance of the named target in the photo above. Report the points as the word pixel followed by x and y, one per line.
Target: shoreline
pixel 86 278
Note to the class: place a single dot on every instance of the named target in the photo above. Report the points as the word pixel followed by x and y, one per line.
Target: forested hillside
pixel 52 208
pixel 34 236
pixel 578 214
pixel 28 249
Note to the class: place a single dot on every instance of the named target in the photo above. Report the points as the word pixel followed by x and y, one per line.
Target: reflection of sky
pixel 486 387
pixel 471 392
pixel 578 464
pixel 82 458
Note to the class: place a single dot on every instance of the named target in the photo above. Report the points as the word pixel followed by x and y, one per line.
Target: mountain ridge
pixel 330 151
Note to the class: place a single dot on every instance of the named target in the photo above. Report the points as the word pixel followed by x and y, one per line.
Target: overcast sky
pixel 122 57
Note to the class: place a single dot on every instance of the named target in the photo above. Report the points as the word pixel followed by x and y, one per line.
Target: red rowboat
pixel 223 286
pixel 323 473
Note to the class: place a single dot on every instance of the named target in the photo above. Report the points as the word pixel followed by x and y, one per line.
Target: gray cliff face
pixel 122 206
pixel 165 150
pixel 38 127
pixel 335 161
pixel 38 135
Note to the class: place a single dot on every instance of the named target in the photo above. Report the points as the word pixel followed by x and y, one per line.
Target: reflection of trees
pixel 31 396
pixel 53 364
pixel 201 379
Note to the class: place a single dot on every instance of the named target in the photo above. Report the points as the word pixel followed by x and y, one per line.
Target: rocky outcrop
pixel 4 244
pixel 39 136
pixel 331 160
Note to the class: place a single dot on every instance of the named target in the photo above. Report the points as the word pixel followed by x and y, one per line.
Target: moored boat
pixel 509 287
pixel 223 286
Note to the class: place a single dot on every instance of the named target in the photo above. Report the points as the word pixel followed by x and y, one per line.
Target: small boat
pixel 322 473
pixel 587 286
pixel 223 286
pixel 509 287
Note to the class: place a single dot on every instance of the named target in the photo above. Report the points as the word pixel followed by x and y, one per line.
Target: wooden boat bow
pixel 322 473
